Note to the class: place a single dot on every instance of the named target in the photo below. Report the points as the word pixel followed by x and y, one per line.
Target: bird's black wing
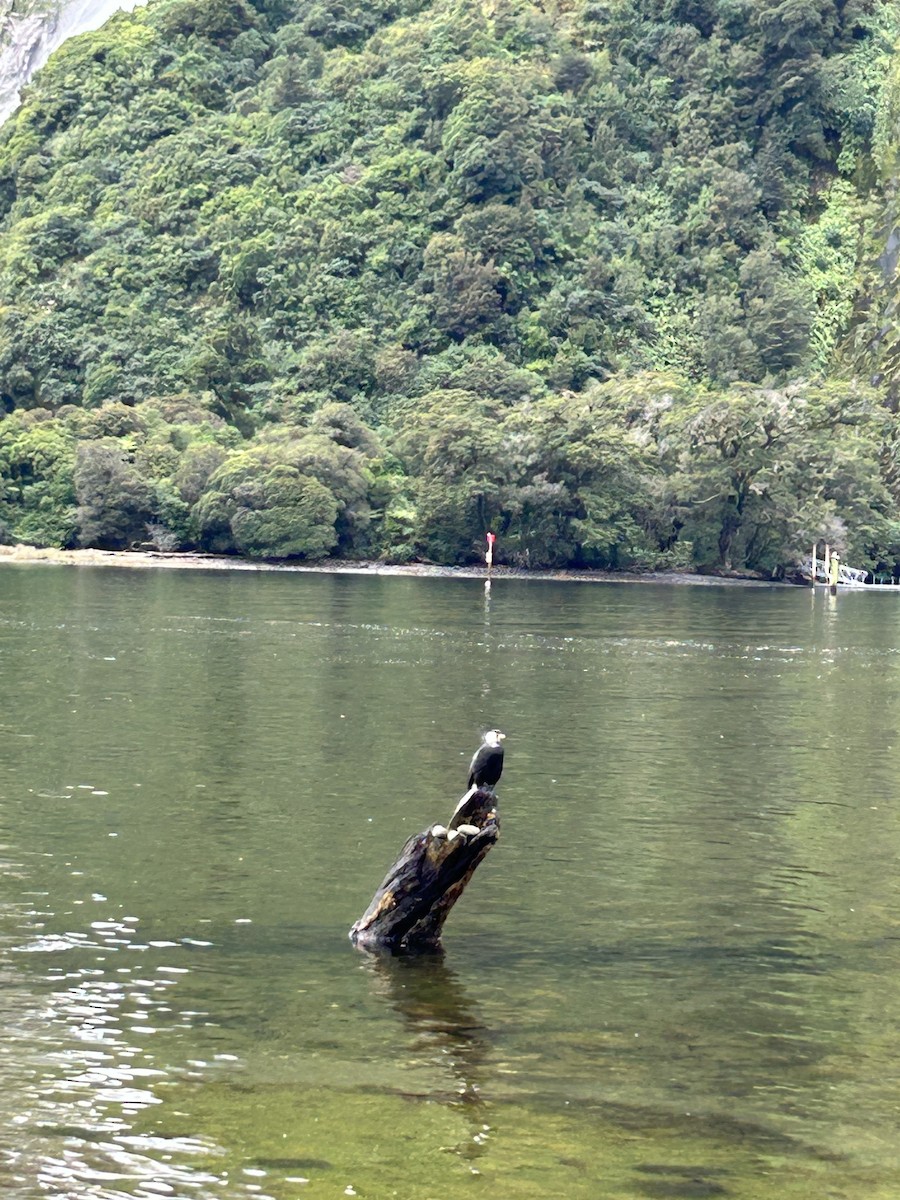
pixel 477 763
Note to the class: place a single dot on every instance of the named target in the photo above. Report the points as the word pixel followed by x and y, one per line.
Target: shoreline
pixel 21 555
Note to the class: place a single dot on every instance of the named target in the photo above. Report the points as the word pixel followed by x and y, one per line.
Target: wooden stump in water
pixel 408 911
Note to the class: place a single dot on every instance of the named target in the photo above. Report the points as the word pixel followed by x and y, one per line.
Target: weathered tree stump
pixel 408 911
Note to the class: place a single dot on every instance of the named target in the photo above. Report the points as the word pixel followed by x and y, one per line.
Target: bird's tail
pixel 469 794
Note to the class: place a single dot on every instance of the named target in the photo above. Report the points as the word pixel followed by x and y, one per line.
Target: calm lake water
pixel 677 974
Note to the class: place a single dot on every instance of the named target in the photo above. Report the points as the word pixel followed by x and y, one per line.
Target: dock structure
pixel 819 572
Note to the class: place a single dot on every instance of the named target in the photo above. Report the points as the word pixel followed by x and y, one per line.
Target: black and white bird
pixel 487 761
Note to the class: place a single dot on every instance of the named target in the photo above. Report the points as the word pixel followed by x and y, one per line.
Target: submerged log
pixel 408 911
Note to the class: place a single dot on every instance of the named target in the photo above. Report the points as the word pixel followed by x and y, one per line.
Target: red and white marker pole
pixel 489 556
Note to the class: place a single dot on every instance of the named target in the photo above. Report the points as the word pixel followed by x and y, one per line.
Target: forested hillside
pixel 617 280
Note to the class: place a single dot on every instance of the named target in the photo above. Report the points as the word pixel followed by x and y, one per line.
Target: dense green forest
pixel 303 278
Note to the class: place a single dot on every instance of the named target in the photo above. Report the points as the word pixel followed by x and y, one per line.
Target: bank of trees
pixel 643 472
pixel 298 279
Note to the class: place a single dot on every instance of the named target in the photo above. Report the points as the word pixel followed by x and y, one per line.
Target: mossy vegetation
pixel 300 279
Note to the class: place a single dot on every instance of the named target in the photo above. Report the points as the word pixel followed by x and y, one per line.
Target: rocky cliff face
pixel 30 30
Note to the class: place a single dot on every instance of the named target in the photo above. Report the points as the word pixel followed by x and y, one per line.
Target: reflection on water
pixel 675 976
pixel 445 1029
pixel 446 1037
pixel 89 1040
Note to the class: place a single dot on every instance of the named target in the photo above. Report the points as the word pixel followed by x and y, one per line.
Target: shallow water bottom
pixel 285 1141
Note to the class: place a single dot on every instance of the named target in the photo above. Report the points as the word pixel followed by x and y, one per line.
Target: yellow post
pixel 834 572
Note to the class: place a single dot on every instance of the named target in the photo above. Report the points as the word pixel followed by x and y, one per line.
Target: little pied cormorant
pixel 487 761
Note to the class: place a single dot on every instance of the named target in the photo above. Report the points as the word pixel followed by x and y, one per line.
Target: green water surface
pixel 675 976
